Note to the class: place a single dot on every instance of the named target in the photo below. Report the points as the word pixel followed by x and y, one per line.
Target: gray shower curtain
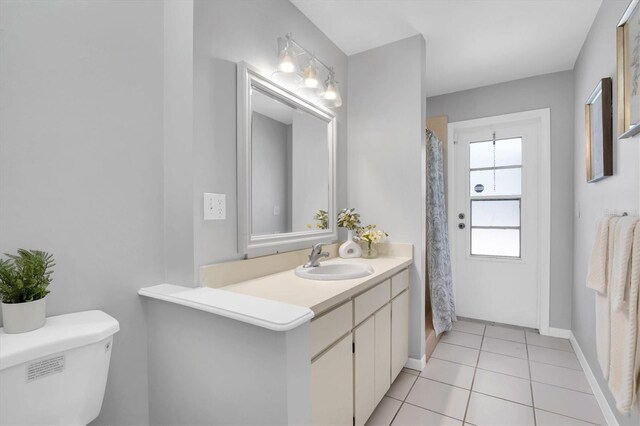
pixel 438 255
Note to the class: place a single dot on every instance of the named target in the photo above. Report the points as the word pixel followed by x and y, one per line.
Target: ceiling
pixel 470 43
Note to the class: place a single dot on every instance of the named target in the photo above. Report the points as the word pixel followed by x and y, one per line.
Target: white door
pixel 494 221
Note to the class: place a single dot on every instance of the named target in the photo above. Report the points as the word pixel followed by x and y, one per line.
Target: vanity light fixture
pixel 292 58
pixel 331 93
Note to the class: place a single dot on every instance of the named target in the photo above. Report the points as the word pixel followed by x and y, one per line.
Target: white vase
pixel 23 317
pixel 350 249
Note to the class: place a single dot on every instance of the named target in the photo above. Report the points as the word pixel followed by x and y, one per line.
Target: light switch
pixel 215 206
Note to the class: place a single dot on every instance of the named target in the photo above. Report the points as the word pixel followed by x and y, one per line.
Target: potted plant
pixel 349 219
pixel 371 236
pixel 24 279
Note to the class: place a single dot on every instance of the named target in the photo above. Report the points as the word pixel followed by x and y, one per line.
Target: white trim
pixel 562 333
pixel 416 364
pixel 544 196
pixel 595 387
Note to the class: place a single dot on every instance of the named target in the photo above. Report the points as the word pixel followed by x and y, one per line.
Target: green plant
pixel 323 219
pixel 25 277
pixel 348 218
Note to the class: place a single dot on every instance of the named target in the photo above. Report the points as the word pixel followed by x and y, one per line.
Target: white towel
pixel 621 261
pixel 603 308
pixel 625 336
pixel 597 275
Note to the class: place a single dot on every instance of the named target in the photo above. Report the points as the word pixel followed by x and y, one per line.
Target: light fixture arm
pixel 289 38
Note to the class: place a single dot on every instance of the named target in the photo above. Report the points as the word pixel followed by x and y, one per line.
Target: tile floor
pixel 483 374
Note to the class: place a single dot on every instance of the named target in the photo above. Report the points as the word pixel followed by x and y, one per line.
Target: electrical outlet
pixel 215 206
pixel 276 210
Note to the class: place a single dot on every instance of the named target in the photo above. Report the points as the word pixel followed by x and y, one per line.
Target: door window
pixel 495 180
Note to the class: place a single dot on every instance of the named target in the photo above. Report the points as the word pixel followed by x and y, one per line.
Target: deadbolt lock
pixel 460 215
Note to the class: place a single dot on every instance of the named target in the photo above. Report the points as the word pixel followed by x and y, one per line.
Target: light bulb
pixel 310 77
pixel 287 61
pixel 331 93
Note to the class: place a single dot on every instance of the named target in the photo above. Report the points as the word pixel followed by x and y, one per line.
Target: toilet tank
pixel 56 375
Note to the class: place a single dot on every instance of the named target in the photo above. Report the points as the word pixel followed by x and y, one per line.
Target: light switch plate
pixel 215 206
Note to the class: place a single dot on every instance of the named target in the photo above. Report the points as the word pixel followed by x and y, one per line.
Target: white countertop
pixel 264 313
pixel 318 296
pixel 280 301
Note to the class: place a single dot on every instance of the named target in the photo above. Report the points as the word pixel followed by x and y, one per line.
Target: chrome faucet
pixel 315 256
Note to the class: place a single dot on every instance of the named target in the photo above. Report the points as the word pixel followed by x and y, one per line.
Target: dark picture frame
pixel 599 132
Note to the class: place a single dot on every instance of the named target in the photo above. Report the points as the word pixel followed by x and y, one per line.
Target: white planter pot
pixel 23 317
pixel 350 249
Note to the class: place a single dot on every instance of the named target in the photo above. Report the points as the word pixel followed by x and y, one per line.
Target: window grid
pixel 496 198
pixel 517 228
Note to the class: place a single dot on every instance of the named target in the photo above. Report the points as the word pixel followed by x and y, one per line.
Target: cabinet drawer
pixel 330 327
pixel 399 283
pixel 370 301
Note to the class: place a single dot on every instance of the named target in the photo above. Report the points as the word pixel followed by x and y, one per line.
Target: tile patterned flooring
pixel 482 374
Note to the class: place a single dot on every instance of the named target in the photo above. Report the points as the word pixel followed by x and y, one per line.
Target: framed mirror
pixel 286 168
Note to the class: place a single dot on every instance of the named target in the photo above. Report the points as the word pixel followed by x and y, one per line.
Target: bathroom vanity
pixel 294 350
pixel 258 342
pixel 358 348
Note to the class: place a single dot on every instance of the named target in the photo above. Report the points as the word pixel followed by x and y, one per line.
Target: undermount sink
pixel 335 271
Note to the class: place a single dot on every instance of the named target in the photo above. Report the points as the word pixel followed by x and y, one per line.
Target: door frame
pixel 543 118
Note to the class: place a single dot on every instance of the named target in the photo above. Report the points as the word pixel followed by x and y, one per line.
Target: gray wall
pixel 553 91
pixel 178 141
pixel 258 377
pixel 271 171
pixel 386 152
pixel 310 169
pixel 226 32
pixel 619 192
pixel 81 119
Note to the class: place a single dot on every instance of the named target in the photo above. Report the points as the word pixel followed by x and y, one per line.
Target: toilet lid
pixel 60 333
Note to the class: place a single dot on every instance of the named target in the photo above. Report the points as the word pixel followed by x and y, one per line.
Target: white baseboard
pixel 595 387
pixel 416 364
pixel 562 333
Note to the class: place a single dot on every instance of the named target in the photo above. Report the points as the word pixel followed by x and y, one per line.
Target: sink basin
pixel 335 271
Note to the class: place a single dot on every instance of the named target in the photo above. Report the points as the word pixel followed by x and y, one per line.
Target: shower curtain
pixel 438 255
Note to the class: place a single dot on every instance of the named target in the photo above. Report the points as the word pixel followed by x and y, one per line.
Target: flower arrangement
pixel 348 218
pixel 322 218
pixel 371 236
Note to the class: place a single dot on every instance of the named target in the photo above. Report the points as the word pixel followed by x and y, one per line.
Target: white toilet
pixel 56 375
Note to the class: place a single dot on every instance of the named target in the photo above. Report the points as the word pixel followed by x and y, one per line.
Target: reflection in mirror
pixel 289 167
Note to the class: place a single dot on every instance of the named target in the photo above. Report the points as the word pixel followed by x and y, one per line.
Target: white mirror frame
pixel 259 245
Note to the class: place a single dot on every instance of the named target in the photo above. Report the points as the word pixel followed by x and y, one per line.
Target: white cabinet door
pixel 364 365
pixel 382 352
pixel 332 386
pixel 399 333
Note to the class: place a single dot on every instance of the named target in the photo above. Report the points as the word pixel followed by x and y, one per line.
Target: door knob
pixel 461 225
